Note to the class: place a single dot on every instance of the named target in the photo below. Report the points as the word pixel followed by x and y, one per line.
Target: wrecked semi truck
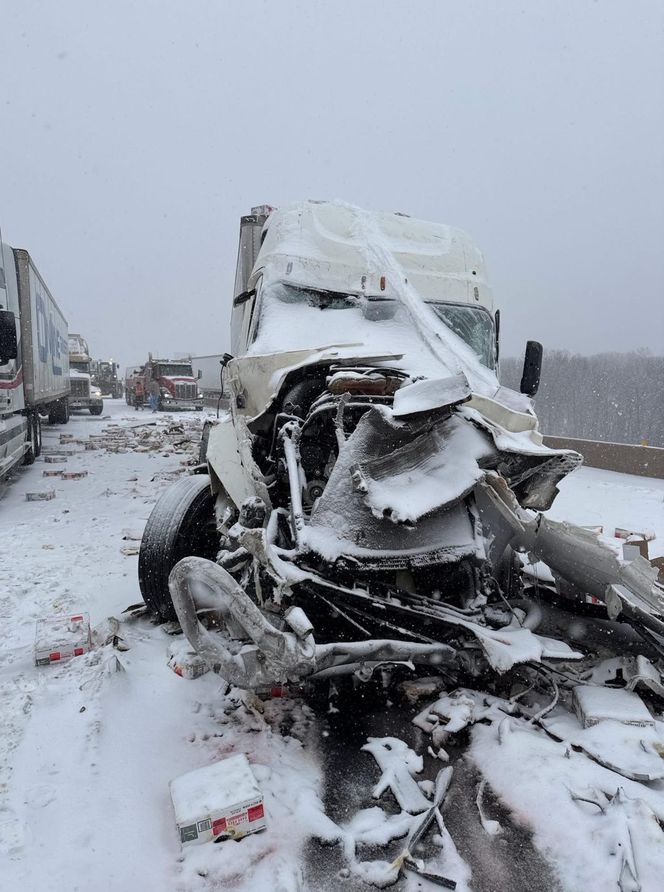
pixel 84 394
pixel 373 493
pixel 34 367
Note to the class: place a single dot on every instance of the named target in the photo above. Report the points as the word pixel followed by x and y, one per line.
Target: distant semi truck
pixel 83 393
pixel 34 359
pixel 105 377
pixel 178 386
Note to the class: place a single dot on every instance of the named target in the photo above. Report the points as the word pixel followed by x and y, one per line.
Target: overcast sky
pixel 134 135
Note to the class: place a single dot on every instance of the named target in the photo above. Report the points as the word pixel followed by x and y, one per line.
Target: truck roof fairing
pixel 325 242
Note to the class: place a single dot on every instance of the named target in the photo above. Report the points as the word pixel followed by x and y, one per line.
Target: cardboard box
pixel 59 638
pixel 220 801
pixel 646 535
pixel 184 661
pixel 594 704
pixel 40 496
pixel 74 475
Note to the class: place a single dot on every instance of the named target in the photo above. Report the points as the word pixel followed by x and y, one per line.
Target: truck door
pixel 246 323
pixel 11 389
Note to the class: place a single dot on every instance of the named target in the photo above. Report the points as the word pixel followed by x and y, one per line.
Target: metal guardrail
pixel 627 458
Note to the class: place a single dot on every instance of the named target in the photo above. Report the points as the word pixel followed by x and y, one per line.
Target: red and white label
pixel 218 826
pixel 256 812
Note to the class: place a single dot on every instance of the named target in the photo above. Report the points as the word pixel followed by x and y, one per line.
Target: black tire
pixel 96 410
pixel 59 412
pixel 181 524
pixel 34 439
pixel 38 425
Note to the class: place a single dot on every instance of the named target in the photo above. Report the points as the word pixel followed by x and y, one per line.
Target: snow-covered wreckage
pixel 369 495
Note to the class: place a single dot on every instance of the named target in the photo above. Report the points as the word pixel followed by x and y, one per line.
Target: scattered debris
pixel 491 827
pixel 73 475
pixel 420 828
pixel 112 665
pixel 452 713
pixel 632 671
pixel 55 459
pixel 398 763
pixel 45 496
pixel 57 473
pixel 108 632
pixel 219 801
pixel 594 704
pixel 415 689
pixel 184 661
pixel 136 610
pixel 164 437
pixel 59 638
pixel 624 745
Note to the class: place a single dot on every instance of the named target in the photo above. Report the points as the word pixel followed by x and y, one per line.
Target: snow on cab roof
pixel 310 240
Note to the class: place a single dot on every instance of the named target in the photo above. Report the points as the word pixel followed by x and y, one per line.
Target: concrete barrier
pixel 645 461
pixel 211 399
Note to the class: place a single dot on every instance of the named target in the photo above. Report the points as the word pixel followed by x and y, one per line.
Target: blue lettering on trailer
pixel 49 340
pixel 42 329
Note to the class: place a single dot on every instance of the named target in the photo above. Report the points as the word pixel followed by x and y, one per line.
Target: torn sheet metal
pixel 343 524
pixel 632 751
pixel 436 468
pixel 430 394
pixel 589 566
pixel 398 763
pixel 633 671
pixel 580 562
pixel 453 712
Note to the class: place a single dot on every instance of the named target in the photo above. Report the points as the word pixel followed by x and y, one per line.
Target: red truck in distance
pixel 178 387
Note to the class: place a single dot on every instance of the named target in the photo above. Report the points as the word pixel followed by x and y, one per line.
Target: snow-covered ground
pixel 592 497
pixel 87 748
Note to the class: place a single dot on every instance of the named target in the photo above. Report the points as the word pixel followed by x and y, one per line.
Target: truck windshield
pixel 172 370
pixel 472 324
pixel 80 367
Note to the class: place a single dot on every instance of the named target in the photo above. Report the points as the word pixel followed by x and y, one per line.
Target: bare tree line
pixel 613 397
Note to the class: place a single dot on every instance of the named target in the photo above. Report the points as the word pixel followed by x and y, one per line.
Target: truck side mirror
pixel 532 368
pixel 199 374
pixel 8 341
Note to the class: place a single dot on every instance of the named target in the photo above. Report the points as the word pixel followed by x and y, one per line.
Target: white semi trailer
pixel 34 359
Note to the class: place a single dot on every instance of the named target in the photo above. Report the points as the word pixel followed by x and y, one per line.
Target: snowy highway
pixel 88 747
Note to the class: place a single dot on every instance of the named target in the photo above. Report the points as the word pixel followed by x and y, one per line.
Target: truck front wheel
pixel 96 410
pixel 181 524
pixel 58 413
